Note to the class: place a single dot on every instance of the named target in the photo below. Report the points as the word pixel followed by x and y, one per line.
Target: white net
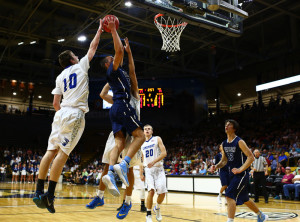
pixel 170 30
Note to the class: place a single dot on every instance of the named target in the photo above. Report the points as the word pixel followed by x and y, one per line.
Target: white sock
pixel 100 193
pixel 220 194
pixel 230 220
pixel 128 200
pixel 157 206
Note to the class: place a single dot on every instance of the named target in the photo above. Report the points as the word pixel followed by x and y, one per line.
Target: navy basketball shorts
pixel 238 188
pixel 123 117
pixel 224 176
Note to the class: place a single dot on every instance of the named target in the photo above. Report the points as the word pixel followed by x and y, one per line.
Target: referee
pixel 259 167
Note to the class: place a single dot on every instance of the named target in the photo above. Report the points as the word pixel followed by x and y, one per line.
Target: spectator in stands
pixel 196 171
pixel 2 172
pixel 279 172
pixel 295 186
pixel 84 176
pixel 287 179
pixel 98 176
pixel 36 172
pixel 30 173
pixel 274 165
pixel 202 170
pixel 282 158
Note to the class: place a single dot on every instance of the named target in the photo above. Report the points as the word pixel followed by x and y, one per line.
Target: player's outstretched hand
pixel 235 171
pixel 127 46
pixel 111 23
pixel 100 29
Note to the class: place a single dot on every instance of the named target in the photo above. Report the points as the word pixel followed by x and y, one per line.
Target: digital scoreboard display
pixel 151 97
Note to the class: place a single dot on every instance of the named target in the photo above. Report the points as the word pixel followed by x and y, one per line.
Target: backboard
pixel 221 16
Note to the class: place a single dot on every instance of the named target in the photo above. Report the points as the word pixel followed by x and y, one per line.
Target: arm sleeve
pixel 57 89
pixel 84 63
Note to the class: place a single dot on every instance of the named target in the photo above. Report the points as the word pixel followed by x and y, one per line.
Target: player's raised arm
pixel 117 43
pixel 132 74
pixel 223 160
pixel 250 158
pixel 94 44
pixel 104 94
pixel 163 153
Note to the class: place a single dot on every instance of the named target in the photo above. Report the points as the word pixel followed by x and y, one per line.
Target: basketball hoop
pixel 170 30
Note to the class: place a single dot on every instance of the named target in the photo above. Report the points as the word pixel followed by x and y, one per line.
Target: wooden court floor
pixel 16 205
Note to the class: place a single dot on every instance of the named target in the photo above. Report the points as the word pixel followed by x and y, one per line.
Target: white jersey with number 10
pixel 151 151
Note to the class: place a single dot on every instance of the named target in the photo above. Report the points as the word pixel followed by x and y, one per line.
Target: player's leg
pixel 122 168
pixel 223 188
pixel 99 199
pixel 252 206
pixel 149 204
pixel 127 203
pixel 231 208
pixel 109 179
pixel 161 190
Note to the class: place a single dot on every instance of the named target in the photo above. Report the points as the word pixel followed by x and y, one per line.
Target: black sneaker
pixel 49 202
pixel 121 206
pixel 37 200
pixel 143 208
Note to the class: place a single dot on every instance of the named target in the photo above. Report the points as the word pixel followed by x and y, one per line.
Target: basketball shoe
pixel 262 217
pixel 110 183
pixel 122 170
pixel 124 211
pixel 48 202
pixel 158 214
pixel 96 202
pixel 37 200
pixel 149 218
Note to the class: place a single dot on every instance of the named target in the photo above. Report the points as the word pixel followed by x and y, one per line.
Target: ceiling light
pixel 61 40
pixel 39 97
pixel 14 93
pixel 20 43
pixel 277 83
pixel 33 42
pixel 128 4
pixel 239 94
pixel 81 38
pixel 215 99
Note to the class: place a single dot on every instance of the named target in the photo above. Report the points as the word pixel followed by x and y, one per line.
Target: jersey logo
pixel 65 142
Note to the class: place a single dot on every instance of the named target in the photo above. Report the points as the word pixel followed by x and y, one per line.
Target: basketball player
pixel 68 123
pixel 122 115
pixel 238 157
pixel 136 160
pixel 154 152
pixel 223 177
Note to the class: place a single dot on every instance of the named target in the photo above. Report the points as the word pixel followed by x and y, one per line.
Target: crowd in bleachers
pixel 23 163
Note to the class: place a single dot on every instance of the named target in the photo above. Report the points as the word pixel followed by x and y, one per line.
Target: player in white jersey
pixel 154 152
pixel 68 123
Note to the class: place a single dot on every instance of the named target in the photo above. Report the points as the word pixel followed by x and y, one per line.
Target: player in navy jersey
pixel 122 115
pixel 238 158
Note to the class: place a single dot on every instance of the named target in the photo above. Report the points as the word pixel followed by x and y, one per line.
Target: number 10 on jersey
pixel 73 82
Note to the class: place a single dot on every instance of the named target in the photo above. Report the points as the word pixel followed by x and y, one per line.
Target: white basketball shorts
pixel 67 128
pixel 138 183
pixel 156 179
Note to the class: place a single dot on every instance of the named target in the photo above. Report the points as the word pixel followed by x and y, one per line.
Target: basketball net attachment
pixel 170 30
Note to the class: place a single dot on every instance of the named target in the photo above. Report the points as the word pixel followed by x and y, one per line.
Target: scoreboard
pixel 151 97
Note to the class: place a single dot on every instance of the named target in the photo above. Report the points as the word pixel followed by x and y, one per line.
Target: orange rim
pixel 169 26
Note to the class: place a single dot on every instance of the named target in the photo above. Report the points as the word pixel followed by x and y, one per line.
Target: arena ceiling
pixel 271 34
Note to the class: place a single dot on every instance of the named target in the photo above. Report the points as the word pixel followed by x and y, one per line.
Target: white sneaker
pixel 219 198
pixel 149 218
pixel 158 214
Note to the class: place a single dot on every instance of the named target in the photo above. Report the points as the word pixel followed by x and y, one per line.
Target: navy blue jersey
pixel 15 168
pixel 119 82
pixel 236 157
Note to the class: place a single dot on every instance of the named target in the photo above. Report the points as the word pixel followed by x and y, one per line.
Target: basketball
pixel 105 22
